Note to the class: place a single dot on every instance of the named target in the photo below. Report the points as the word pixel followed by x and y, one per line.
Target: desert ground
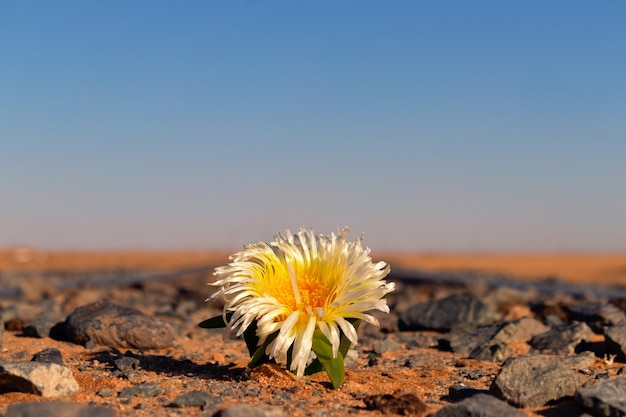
pixel 214 361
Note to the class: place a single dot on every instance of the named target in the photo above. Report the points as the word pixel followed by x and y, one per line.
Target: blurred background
pixel 430 126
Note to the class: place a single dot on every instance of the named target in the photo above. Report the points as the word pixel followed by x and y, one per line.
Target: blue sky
pixel 449 125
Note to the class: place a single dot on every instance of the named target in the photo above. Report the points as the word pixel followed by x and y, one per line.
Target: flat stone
pixel 50 355
pixel 534 380
pixel 604 398
pixel 387 345
pixel 106 324
pixel 143 390
pixel 246 411
pixel 57 409
pixel 456 310
pixel 198 398
pixel 479 405
pixel 562 340
pixel 40 378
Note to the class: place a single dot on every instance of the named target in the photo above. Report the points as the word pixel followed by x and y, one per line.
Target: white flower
pixel 300 283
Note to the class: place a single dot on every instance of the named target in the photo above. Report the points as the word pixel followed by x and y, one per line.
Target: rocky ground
pixel 122 338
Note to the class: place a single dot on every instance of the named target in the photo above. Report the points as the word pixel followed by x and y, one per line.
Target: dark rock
pixel 143 390
pixel 404 404
pixel 40 378
pixel 57 409
pixel 489 343
pixel 597 315
pixel 562 340
pixel 615 341
pixel 202 399
pixel 479 405
pixel 443 315
pixel 246 411
pixel 461 392
pixel 534 380
pixel 604 398
pixel 50 355
pixel 106 324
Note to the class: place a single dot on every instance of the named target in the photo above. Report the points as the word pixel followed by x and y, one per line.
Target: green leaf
pixel 215 322
pixel 259 356
pixel 333 366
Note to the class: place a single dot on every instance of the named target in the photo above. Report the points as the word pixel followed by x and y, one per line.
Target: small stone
pixel 534 380
pixel 246 411
pixel 604 398
pixel 479 405
pixel 387 345
pixel 127 364
pixel 40 327
pixel 143 390
pixel 106 324
pixel 562 340
pixel 196 399
pixel 443 315
pixel 403 404
pixel 40 378
pixel 50 355
pixel 105 392
pixel 57 409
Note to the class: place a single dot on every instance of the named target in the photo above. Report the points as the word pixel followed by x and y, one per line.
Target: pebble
pixel 562 340
pixel 199 398
pixel 456 310
pixel 106 324
pixel 143 390
pixel 245 411
pixel 57 409
pixel 41 327
pixel 40 378
pixel 604 398
pixel 534 380
pixel 50 355
pixel 387 345
pixel 479 405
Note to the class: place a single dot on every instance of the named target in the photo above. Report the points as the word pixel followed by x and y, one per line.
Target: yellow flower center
pixel 304 292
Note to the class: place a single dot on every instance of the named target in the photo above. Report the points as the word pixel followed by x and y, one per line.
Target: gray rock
pixel 143 390
pixel 460 309
pixel 40 378
pixel 489 343
pixel 534 380
pixel 106 324
pixel 604 398
pixel 615 341
pixel 387 345
pixel 50 355
pixel 127 364
pixel 562 340
pixel 40 327
pixel 198 398
pixel 57 409
pixel 245 411
pixel 597 315
pixel 479 405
